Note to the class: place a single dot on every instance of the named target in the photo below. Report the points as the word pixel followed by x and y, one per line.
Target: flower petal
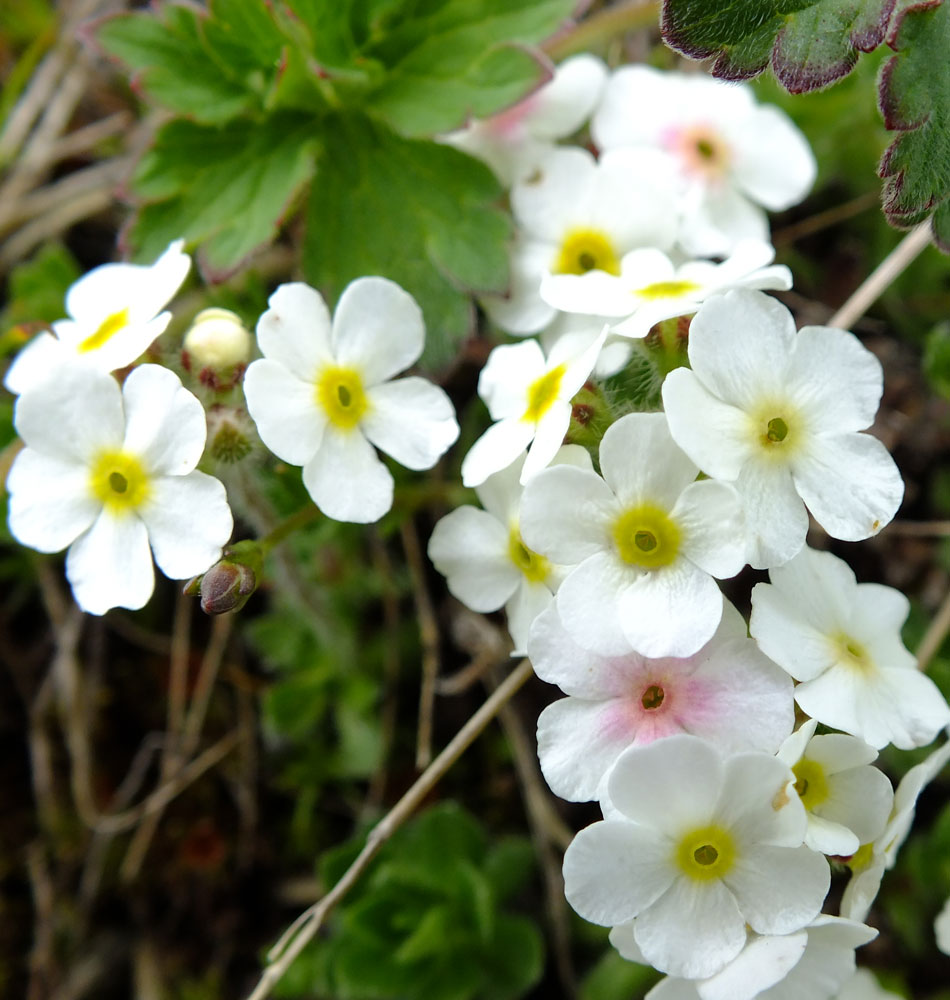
pixel 588 603
pixel 496 449
pixel 295 331
pixel 411 420
pixel 284 409
pixel 346 479
pixel 110 565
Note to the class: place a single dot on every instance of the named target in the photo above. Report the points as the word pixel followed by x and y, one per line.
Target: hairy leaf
pixel 226 187
pixel 915 100
pixel 810 43
pixel 417 212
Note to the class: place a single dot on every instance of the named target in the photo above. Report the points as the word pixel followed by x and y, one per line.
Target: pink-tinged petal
pixel 672 611
pixel 850 484
pixel 641 463
pixel 470 548
pixel 558 659
pixel 566 513
pixel 378 329
pixel 740 346
pixel 346 479
pixel 786 637
pixel 110 565
pixel 548 438
pixel 588 604
pixel 776 520
pixel 295 331
pixel 693 930
pixel 164 422
pixel 714 434
pixel 50 503
pixel 72 416
pixel 35 362
pixel 613 870
pixel 522 608
pixel 779 889
pixel 578 743
pixel 835 379
pixel 669 786
pixel 757 802
pixel 285 410
pixel 562 106
pixel 775 166
pixel 710 516
pixel 188 521
pixel 411 420
pixel 496 449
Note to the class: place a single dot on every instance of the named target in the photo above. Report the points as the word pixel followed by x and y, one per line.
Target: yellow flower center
pixel 108 328
pixel 653 697
pixel 542 394
pixel 584 250
pixel 851 653
pixel 119 481
pixel 667 290
pixel 777 428
pixel 534 567
pixel 646 536
pixel 341 396
pixel 811 783
pixel 703 151
pixel 705 854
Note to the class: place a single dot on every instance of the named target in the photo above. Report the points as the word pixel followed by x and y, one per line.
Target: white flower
pixel 217 339
pixel 529 397
pixel 485 561
pixel 109 471
pixel 942 928
pixel 778 414
pixel 728 693
pixel 847 801
pixel 115 314
pixel 730 155
pixel 322 397
pixel 707 845
pixel 650 288
pixel 577 214
pixel 842 640
pixel 811 964
pixel 648 540
pixel 514 141
pixel 872 860
pixel 863 986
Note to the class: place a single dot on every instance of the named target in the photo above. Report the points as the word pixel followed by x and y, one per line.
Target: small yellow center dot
pixel 108 328
pixel 811 783
pixel 705 854
pixel 851 653
pixel 776 430
pixel 646 536
pixel 543 393
pixel 534 567
pixel 653 697
pixel 341 396
pixel 667 290
pixel 119 481
pixel 584 250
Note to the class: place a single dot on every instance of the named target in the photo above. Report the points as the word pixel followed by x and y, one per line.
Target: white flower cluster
pixel 711 862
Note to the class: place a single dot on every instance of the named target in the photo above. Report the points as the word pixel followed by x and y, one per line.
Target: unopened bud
pixel 217 339
pixel 230 434
pixel 590 418
pixel 230 581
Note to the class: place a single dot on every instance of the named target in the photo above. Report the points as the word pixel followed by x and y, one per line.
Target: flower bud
pixel 216 343
pixel 228 584
pixel 590 418
pixel 231 434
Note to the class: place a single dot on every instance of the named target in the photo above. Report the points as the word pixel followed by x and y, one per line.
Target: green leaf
pixel 915 100
pixel 614 978
pixel 227 187
pixel 810 43
pixel 456 58
pixel 37 291
pixel 417 212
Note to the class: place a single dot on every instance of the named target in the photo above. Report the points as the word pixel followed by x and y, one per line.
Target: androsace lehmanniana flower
pixel 728 693
pixel 699 845
pixel 650 288
pixel 529 397
pixel 514 141
pixel 322 396
pixel 778 414
pixel 842 640
pixel 483 557
pixel 110 471
pixel 115 313
pixel 576 214
pixel 730 155
pixel 847 800
pixel 647 540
